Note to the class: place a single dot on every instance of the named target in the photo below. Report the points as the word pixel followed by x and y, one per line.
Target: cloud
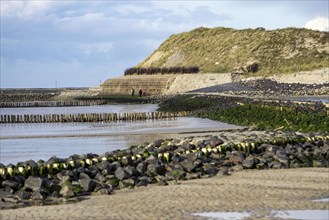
pixel 318 23
pixel 129 9
pixel 44 40
pixel 29 9
pixel 90 48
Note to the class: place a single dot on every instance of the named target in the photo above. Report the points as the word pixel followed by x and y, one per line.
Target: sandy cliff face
pixel 319 76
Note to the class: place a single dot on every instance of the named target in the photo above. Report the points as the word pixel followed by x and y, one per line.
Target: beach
pixel 256 191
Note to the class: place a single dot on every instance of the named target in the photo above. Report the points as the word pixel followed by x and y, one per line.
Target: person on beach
pixel 132 92
pixel 140 92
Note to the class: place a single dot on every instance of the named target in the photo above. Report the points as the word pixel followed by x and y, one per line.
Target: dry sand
pixel 255 191
pixel 189 82
pixel 318 76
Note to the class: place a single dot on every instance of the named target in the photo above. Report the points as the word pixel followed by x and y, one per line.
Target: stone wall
pixel 153 84
pixel 163 84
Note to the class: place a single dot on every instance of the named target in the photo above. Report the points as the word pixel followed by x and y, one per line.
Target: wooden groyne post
pixel 89 117
pixel 51 103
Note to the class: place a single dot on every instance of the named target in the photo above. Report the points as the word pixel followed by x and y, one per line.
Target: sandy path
pixel 256 191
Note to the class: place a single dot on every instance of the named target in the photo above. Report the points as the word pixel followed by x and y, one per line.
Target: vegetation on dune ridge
pixel 159 70
pixel 226 49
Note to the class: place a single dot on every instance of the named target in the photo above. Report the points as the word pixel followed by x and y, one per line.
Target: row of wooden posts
pixel 51 103
pixel 89 117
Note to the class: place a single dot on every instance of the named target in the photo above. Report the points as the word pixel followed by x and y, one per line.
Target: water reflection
pixel 282 214
pixel 223 215
pixel 80 109
pixel 302 214
pixel 21 142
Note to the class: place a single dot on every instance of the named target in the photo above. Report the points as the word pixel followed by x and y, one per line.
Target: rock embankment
pixel 58 180
pixel 266 88
pixel 304 83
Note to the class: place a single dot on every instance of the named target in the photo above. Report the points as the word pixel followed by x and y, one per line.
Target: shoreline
pixel 200 155
pixel 254 191
pixel 174 134
pixel 158 162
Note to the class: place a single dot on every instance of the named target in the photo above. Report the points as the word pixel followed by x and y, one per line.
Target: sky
pixel 68 43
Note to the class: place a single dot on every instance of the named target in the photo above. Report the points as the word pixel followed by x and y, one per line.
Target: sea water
pixel 21 142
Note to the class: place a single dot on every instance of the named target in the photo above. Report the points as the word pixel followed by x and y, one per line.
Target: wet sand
pixel 255 191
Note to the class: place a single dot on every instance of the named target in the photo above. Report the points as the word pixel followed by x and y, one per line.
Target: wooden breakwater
pixel 89 117
pixel 52 103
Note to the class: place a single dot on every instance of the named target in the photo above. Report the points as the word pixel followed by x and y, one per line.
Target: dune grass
pixel 221 50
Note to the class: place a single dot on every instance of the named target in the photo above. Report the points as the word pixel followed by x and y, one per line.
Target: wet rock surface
pixel 157 163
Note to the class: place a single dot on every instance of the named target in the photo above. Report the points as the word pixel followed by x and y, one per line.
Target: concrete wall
pixel 154 84
pixel 163 84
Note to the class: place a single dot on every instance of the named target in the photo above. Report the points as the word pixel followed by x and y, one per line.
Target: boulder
pixel 152 160
pixel 191 176
pixel 275 165
pixel 34 183
pixel 93 171
pixel 290 149
pixel 66 192
pixel 162 182
pixel 282 157
pixel 131 171
pixel 86 183
pixel 114 182
pixel 104 165
pixel 192 156
pixel 55 194
pixel 127 161
pixel 24 195
pixel 209 169
pixel 235 156
pixel 100 178
pixel 214 142
pixel 141 167
pixel 157 143
pixel 223 171
pixel 249 162
pixel 154 169
pixel 114 166
pixel 121 174
pixel 127 183
pixel 99 186
pixel 176 174
pixel 237 168
pixel 272 149
pixel 186 145
pixel 104 191
pixel 143 181
pixel 38 195
pixel 11 183
pixel 188 165
pixel 54 186
pixel 8 190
